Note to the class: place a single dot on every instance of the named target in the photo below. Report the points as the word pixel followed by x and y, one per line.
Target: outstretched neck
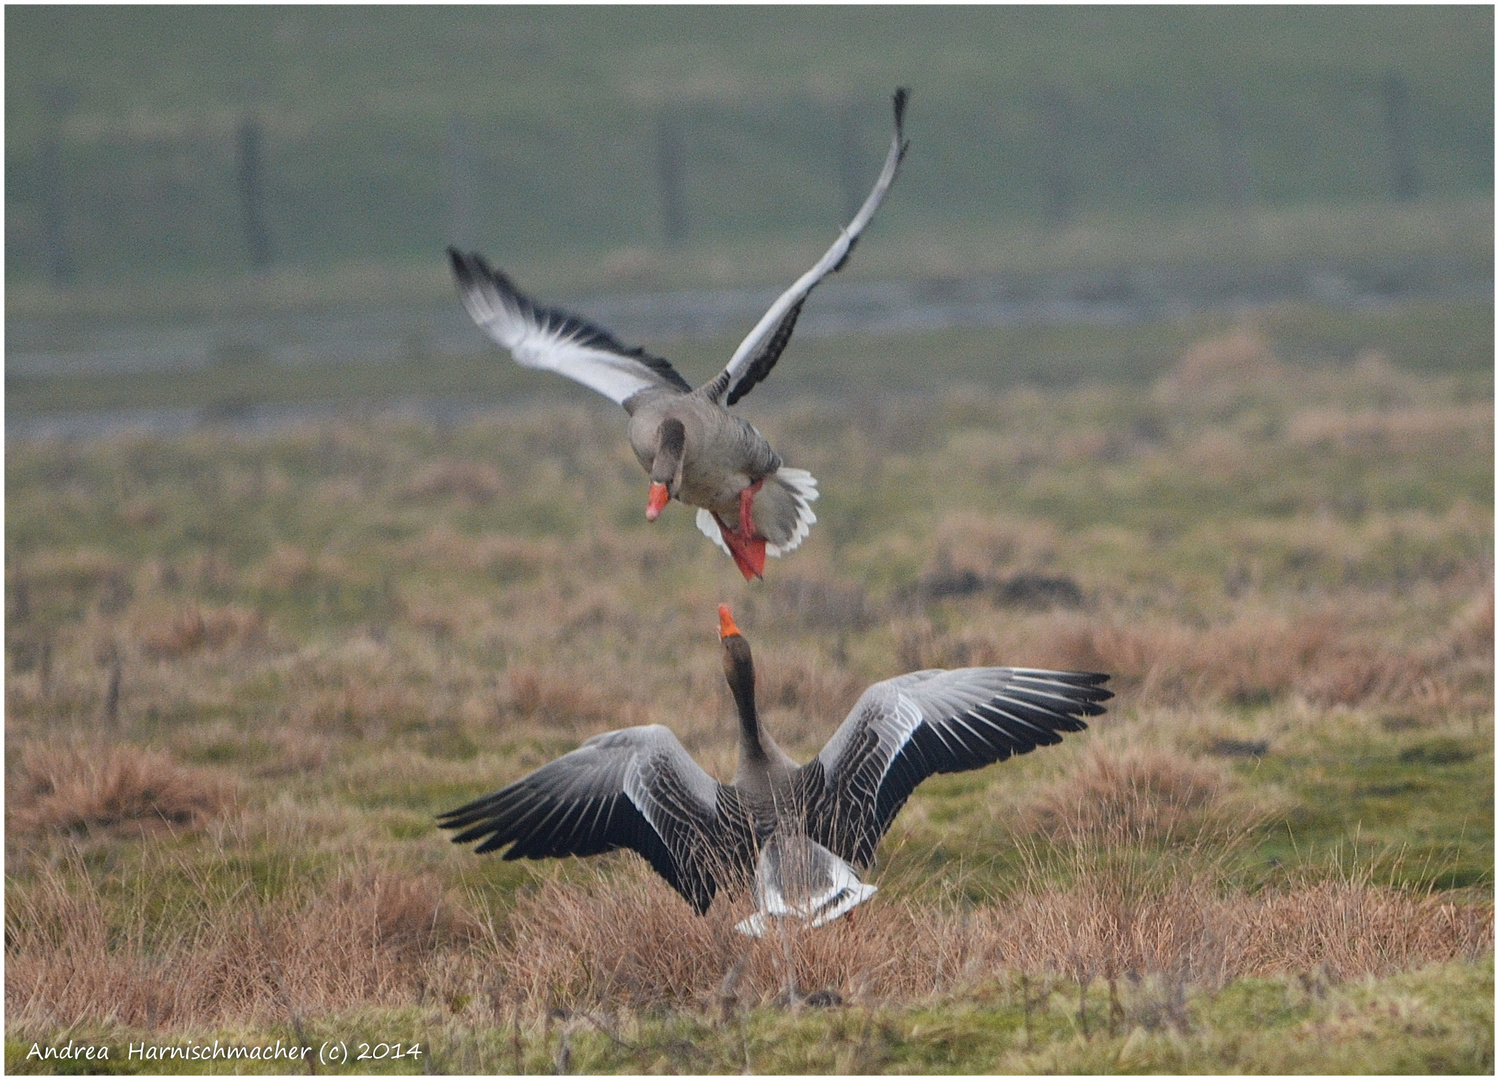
pixel 751 736
pixel 759 756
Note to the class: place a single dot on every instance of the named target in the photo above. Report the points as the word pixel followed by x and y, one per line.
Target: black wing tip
pixel 470 267
pixel 466 260
pixel 463 265
pixel 1070 678
pixel 902 95
pixel 459 816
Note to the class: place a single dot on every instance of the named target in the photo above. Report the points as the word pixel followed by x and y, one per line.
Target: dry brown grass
pixel 1141 795
pixel 475 482
pixel 790 679
pixel 818 603
pixel 374 938
pixel 387 938
pixel 567 950
pixel 435 637
pixel 1355 929
pixel 84 789
pixel 569 701
pixel 197 627
pixel 361 707
pixel 1240 356
pixel 504 557
pixel 1250 658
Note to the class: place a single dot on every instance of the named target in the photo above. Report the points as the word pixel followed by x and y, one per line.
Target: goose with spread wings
pixel 797 836
pixel 749 503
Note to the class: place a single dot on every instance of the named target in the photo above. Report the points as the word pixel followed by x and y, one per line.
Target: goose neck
pixel 751 737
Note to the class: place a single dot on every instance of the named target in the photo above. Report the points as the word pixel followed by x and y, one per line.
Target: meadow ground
pixel 245 671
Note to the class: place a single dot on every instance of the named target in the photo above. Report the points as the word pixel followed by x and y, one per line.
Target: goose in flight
pixel 797 835
pixel 749 503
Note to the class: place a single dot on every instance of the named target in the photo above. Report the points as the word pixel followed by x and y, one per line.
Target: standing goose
pixel 696 451
pixel 798 834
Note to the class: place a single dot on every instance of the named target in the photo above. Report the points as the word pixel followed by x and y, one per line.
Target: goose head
pixel 666 468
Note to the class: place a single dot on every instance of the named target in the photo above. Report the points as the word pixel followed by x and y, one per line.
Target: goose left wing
pixel 905 729
pixel 758 352
pixel 634 788
pixel 554 340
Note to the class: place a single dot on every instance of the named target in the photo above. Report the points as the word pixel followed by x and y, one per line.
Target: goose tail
pixel 801 486
pixel 799 878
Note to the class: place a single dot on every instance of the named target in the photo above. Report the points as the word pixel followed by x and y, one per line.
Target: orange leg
pixel 746 501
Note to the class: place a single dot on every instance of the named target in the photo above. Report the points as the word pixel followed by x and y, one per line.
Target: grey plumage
pixel 638 788
pixel 725 458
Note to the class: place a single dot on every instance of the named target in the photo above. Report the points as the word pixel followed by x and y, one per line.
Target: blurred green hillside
pixel 542 134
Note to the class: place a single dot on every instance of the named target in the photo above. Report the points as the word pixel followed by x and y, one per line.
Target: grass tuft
pixel 81 789
pixel 1142 796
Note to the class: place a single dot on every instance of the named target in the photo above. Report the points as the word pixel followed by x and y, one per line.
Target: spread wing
pixel 758 352
pixel 635 788
pixel 554 340
pixel 905 729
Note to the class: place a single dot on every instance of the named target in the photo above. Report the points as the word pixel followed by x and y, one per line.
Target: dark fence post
pixel 1228 110
pixel 1405 181
pixel 460 162
pixel 56 101
pixel 249 168
pixel 670 170
pixel 1057 185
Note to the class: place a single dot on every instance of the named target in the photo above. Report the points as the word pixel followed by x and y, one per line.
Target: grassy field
pixel 245 671
pixel 1020 116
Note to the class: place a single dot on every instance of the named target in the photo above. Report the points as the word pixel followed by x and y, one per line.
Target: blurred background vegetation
pixel 184 163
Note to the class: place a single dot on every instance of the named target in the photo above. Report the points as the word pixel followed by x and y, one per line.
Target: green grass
pixel 1431 1021
pixel 564 105
pixel 1282 532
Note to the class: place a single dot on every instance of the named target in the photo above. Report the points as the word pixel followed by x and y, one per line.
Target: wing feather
pixel 758 352
pixel 905 729
pixel 635 788
pixel 554 340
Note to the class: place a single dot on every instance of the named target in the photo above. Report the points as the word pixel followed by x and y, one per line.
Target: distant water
pixel 35 349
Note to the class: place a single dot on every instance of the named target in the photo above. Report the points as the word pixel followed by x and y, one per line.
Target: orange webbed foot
pixel 748 551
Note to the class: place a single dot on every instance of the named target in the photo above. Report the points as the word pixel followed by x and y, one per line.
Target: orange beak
pixel 657 502
pixel 726 627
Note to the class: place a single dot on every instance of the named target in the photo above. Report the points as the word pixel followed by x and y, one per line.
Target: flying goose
pixel 696 451
pixel 798 835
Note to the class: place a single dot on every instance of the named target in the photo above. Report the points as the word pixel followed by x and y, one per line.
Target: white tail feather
pixel 803 488
pixel 840 890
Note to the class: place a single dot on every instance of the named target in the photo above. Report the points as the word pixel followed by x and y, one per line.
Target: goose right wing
pixel 634 788
pixel 905 729
pixel 758 352
pixel 554 340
